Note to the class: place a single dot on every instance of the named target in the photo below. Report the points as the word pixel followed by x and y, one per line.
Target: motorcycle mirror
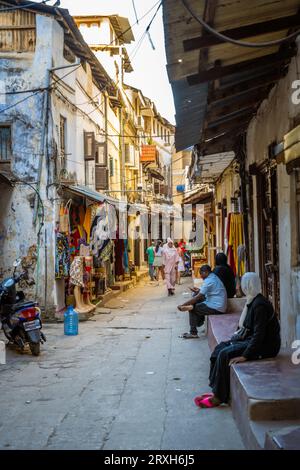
pixel 17 262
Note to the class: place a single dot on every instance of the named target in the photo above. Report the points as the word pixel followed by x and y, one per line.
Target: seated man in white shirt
pixel 210 299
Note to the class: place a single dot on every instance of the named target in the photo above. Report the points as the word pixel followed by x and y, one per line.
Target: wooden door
pixel 268 234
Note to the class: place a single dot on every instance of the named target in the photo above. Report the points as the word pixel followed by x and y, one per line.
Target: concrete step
pixel 286 438
pixel 259 433
pixel 264 391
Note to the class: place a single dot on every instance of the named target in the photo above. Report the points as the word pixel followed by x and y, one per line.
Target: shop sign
pixel 148 153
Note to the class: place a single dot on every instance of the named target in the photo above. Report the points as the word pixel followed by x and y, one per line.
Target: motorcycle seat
pixel 21 305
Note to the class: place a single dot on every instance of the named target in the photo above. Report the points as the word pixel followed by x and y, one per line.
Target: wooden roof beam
pixel 247 86
pixel 220 71
pixel 235 101
pixel 208 40
pixel 225 118
pixel 238 124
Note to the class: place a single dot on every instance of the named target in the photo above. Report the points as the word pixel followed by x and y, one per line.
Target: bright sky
pixel 149 65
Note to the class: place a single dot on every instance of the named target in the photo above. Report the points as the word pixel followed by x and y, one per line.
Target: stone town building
pixel 238 106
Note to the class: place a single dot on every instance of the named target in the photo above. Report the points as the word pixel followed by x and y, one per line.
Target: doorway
pixel 268 233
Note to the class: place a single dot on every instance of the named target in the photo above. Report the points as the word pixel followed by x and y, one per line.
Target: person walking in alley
pixel 180 267
pixel 226 274
pixel 158 261
pixel 258 337
pixel 151 255
pixel 170 263
pixel 210 299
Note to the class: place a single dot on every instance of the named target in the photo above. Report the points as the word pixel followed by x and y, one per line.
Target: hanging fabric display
pixel 64 217
pixel 62 256
pixel 76 271
pixel 235 236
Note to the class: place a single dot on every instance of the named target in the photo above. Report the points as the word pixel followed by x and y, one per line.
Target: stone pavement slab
pixel 125 382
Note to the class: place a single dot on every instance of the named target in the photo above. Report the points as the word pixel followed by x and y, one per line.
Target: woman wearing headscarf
pixel 170 263
pixel 258 337
pixel 226 274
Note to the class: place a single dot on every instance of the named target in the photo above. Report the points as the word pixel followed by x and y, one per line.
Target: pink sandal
pixel 207 403
pixel 198 399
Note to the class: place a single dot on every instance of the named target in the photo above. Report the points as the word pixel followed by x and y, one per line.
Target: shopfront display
pixel 84 252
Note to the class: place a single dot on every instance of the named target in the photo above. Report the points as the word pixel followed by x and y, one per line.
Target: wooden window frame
pixel 89 153
pixel 101 145
pixel 8 144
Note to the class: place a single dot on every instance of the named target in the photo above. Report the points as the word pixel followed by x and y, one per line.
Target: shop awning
pixel 291 146
pixel 91 194
pixel 155 174
pixel 199 198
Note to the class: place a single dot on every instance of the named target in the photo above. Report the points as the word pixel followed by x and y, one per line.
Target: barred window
pixel 5 143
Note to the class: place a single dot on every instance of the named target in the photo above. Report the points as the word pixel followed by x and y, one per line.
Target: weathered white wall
pixel 17 230
pixel 274 119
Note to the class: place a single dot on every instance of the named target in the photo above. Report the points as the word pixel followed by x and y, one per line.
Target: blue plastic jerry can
pixel 71 322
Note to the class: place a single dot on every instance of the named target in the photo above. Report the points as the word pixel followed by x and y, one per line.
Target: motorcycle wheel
pixel 35 348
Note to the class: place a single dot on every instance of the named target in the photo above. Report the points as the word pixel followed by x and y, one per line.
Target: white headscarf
pixel 251 286
pixel 169 251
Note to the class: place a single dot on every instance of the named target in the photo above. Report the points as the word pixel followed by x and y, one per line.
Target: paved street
pixel 127 381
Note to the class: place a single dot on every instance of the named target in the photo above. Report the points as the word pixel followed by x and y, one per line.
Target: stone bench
pixel 265 394
pixel 265 399
pixel 285 439
pixel 221 327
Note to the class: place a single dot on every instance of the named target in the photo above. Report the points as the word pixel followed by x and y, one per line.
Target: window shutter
pixel 127 153
pixel 101 158
pixel 111 166
pixel 156 188
pixel 101 178
pixel 89 146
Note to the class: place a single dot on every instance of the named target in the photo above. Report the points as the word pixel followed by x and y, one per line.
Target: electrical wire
pixel 133 53
pixel 38 91
pixel 224 38
pixel 135 12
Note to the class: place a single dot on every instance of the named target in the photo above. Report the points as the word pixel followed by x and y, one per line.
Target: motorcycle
pixel 20 319
pixel 187 265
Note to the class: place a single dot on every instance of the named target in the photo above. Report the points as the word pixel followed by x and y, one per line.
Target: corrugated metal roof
pixel 204 72
pixel 190 105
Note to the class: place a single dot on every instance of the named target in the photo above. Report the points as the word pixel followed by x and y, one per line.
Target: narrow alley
pixel 127 381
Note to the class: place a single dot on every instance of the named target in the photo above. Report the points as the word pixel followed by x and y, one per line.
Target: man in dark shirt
pixel 225 273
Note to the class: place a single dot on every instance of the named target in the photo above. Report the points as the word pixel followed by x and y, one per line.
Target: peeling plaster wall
pixel 274 119
pixel 18 233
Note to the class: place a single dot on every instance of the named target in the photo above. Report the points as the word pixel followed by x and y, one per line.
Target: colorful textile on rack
pixel 62 256
pixel 87 223
pixel 75 241
pixel 106 251
pixel 125 256
pixel 99 231
pixel 76 272
pixel 235 239
pixel 242 260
